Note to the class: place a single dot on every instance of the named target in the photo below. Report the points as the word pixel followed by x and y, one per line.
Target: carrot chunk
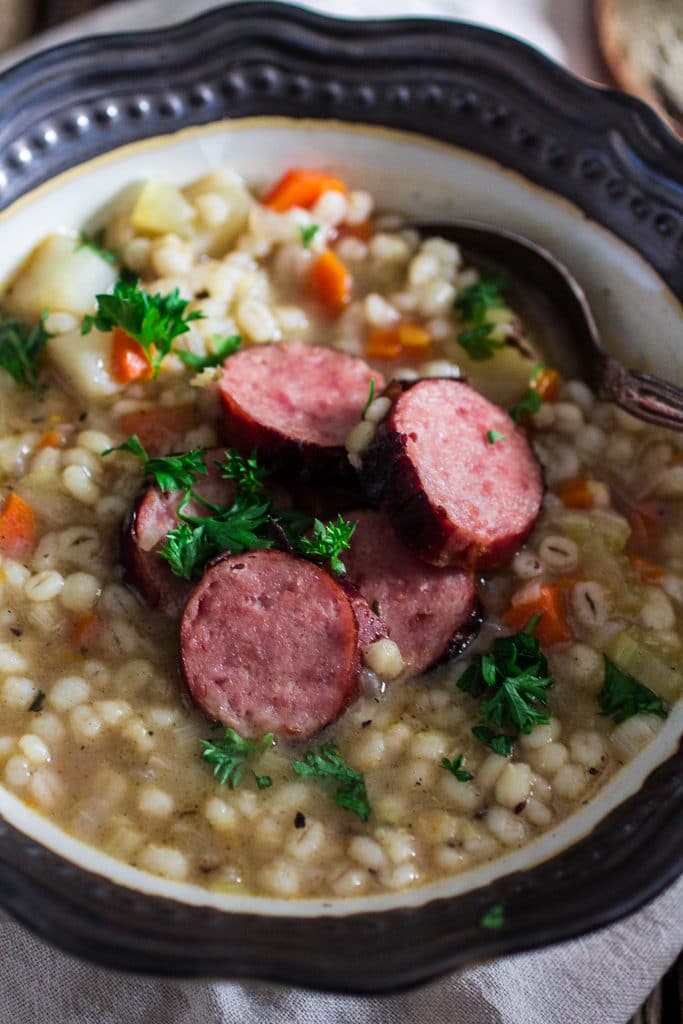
pixel 301 187
pixel 160 430
pixel 17 527
pixel 552 627
pixel 648 571
pixel 362 231
pixel 331 282
pixel 51 439
pixel 128 360
pixel 576 493
pixel 82 629
pixel 390 342
pixel 547 384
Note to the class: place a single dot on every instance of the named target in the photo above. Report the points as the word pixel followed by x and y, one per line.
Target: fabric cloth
pixel 602 978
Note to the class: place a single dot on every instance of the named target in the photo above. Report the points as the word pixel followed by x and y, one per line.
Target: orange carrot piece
pixel 383 343
pixel 51 439
pixel 331 282
pixel 413 336
pixel 362 231
pixel 17 527
pixel 128 360
pixel 301 187
pixel 648 571
pixel 547 384
pixel 576 493
pixel 160 430
pixel 82 629
pixel 552 627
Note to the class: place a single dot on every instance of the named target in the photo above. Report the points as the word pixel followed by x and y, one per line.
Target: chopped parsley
pixel 531 401
pixel 492 436
pixel 308 233
pixel 473 305
pixel 494 916
pixel 223 347
pixel 327 763
pixel 230 754
pixel 511 682
pixel 21 346
pixel 622 696
pixel 171 473
pixel 327 541
pixel 154 321
pixel 263 781
pixel 245 472
pixel 95 242
pixel 455 768
pixel 371 395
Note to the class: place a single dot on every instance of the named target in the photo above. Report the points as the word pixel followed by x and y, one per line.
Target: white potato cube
pixel 84 363
pixel 161 209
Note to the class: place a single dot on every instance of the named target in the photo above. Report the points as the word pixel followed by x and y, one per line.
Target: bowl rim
pixel 611 156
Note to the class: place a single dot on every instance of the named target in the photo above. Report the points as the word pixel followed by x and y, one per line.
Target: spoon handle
pixel 648 398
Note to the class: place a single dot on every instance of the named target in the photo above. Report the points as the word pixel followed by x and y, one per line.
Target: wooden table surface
pixel 20 19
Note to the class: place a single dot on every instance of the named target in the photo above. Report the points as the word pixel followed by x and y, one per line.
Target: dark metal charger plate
pixel 606 152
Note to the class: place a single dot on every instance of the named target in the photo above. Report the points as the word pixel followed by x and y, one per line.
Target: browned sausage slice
pixel 295 405
pixel 431 614
pixel 269 643
pixel 457 477
pixel 153 517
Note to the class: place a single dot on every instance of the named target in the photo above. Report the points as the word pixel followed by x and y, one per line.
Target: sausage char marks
pixel 431 614
pixel 457 477
pixel 295 405
pixel 269 643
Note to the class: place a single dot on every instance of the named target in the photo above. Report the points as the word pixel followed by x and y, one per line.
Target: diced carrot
pixel 51 439
pixel 648 571
pixel 83 628
pixel 331 282
pixel 128 360
pixel 363 231
pixel 389 342
pixel 552 627
pixel 160 430
pixel 302 187
pixel 17 527
pixel 576 493
pixel 547 384
pixel 413 336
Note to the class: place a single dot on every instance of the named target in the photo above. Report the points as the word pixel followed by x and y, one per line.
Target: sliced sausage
pixel 370 626
pixel 295 405
pixel 269 643
pixel 431 614
pixel 457 477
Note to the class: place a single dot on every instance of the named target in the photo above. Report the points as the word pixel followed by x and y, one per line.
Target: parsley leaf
pixel 96 243
pixel 21 346
pixel 246 472
pixel 371 395
pixel 223 347
pixel 327 763
pixel 154 321
pixel 455 768
pixel 263 781
pixel 308 233
pixel 492 436
pixel 528 404
pixel 478 343
pixel 511 682
pixel 171 473
pixel 186 550
pixel 327 541
pixel 230 754
pixel 494 916
pixel 474 302
pixel 622 696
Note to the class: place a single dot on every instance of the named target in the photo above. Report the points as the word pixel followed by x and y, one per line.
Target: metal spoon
pixel 538 278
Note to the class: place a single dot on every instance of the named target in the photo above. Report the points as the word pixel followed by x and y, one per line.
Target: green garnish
pixel 21 346
pixel 327 541
pixel 96 243
pixel 531 401
pixel 327 763
pixel 371 395
pixel 492 436
pixel 473 304
pixel 263 781
pixel 308 233
pixel 622 696
pixel 455 768
pixel 171 473
pixel 154 321
pixel 230 754
pixel 245 472
pixel 494 916
pixel 223 347
pixel 511 682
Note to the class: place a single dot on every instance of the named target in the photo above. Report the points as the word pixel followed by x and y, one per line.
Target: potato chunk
pixel 61 276
pixel 214 234
pixel 160 209
pixel 84 363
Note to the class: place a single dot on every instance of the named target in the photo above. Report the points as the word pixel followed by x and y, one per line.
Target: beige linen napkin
pixel 599 979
